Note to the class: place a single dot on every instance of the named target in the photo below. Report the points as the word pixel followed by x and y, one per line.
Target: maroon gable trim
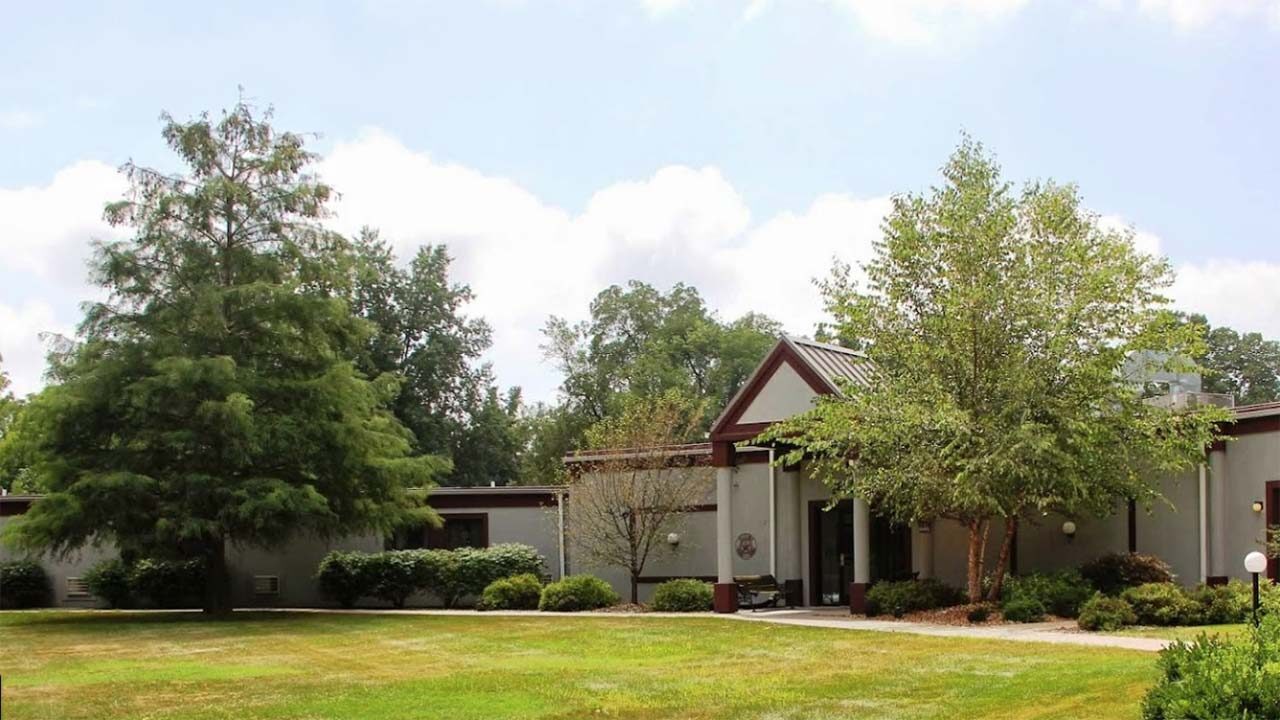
pixel 728 429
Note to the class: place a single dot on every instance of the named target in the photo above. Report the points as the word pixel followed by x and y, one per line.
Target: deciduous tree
pixel 999 322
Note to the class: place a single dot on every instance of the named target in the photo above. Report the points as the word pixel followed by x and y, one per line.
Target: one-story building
pixel 760 519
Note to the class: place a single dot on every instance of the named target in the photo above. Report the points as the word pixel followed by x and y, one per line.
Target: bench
pixel 758 591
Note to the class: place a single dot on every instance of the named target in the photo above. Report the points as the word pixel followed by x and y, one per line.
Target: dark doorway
pixel 831 551
pixel 1273 520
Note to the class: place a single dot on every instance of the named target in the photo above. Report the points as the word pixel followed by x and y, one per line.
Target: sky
pixel 741 146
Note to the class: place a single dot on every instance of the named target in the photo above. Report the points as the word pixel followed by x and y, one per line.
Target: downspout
pixel 560 512
pixel 1204 524
pixel 773 517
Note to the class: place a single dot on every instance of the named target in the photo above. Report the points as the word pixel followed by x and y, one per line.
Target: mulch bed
pixel 957 615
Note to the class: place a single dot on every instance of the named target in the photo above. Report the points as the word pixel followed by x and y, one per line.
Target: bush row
pixel 897 598
pixel 23 584
pixel 1170 604
pixel 150 583
pixel 450 575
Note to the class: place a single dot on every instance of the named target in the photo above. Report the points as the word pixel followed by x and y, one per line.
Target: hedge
pixel 23 584
pixel 1113 573
pixel 577 592
pixel 684 595
pixel 1216 678
pixel 905 596
pixel 518 592
pixel 451 575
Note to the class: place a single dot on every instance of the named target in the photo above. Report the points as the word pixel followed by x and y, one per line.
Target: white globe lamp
pixel 1256 564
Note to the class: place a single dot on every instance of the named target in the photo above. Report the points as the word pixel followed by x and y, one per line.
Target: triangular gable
pixel 782 385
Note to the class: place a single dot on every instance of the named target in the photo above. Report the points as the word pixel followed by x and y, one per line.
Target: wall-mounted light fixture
pixel 673 539
pixel 1257 506
pixel 1069 529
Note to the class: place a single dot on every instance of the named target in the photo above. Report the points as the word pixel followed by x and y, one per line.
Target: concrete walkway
pixel 1062 633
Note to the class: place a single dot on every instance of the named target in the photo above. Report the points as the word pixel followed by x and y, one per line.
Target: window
pixel 461 530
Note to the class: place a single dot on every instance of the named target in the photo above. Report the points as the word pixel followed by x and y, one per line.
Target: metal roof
pixel 833 362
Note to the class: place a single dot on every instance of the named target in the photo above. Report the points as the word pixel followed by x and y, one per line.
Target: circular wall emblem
pixel 746 546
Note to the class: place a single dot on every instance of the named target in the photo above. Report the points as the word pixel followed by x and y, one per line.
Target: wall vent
pixel 266 584
pixel 77 588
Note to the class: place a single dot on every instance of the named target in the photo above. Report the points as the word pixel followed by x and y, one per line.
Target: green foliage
pixel 683 595
pixel 1112 573
pixel 644 343
pixel 998 322
pixel 168 583
pixel 450 575
pixel 1243 365
pixel 1212 678
pixel 1023 610
pixel 1102 612
pixel 1060 593
pixel 342 577
pixel 112 581
pixel 897 598
pixel 577 592
pixel 978 613
pixel 395 575
pixel 214 399
pixel 518 592
pixel 23 584
pixel 1163 604
pixel 1223 604
pixel 447 398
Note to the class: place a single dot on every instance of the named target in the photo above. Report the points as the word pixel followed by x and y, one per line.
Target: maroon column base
pixel 726 598
pixel 858 598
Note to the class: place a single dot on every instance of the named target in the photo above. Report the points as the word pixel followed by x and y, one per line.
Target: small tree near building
pixel 999 323
pixel 632 496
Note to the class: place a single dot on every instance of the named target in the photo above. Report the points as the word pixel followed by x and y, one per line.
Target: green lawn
pixel 77 665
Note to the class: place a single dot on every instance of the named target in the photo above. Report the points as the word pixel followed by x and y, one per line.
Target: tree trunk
pixel 1002 565
pixel 635 588
pixel 217 590
pixel 977 550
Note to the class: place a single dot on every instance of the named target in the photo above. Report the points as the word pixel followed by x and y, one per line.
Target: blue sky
pixel 731 122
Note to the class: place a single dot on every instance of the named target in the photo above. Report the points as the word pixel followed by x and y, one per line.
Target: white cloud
pixel 527 259
pixel 659 8
pixel 19 119
pixel 1194 14
pixel 920 22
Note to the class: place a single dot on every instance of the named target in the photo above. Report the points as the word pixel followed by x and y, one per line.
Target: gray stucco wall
pixel 1251 462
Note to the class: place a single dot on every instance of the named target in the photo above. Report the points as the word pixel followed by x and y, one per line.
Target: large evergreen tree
pixel 214 400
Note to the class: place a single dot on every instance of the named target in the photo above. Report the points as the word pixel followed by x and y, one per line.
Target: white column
pixel 1218 513
pixel 789 563
pixel 724 524
pixel 861 542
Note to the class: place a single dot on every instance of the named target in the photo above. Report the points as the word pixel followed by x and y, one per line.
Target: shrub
pixel 1105 613
pixel 23 584
pixel 1219 604
pixel 1111 574
pixel 1061 593
pixel 1213 678
pixel 684 595
pixel 470 570
pixel 905 596
pixel 1162 604
pixel 344 577
pixel 518 592
pixel 577 592
pixel 1023 610
pixel 111 580
pixel 168 583
pixel 394 575
pixel 979 613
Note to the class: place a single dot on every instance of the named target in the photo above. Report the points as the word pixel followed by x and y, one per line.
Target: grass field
pixel 1186 633
pixel 275 665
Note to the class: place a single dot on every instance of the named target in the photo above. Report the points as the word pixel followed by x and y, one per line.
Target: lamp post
pixel 1256 564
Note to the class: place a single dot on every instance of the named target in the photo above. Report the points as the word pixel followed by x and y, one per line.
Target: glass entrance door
pixel 830 552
